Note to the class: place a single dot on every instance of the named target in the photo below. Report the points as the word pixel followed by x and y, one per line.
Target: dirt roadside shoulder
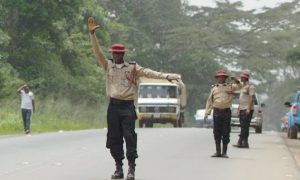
pixel 293 146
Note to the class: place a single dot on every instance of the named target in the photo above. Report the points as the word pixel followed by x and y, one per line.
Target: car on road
pixel 199 118
pixel 294 116
pixel 257 118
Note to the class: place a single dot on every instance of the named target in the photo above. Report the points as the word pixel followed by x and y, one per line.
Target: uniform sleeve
pixel 149 73
pixel 236 86
pixel 251 90
pixel 98 52
pixel 209 103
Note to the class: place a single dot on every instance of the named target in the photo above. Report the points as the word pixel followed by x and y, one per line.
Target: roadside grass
pixel 52 115
pixel 60 115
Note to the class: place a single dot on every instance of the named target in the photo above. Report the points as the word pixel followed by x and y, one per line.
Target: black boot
pixel 245 143
pixel 239 143
pixel 218 150
pixel 131 171
pixel 224 151
pixel 118 174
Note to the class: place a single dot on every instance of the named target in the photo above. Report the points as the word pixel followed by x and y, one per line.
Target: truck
pixel 294 116
pixel 160 101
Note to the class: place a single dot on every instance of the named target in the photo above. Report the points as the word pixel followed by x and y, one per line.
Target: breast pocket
pixel 245 91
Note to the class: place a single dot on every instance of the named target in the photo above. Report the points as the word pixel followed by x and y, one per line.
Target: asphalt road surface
pixel 165 154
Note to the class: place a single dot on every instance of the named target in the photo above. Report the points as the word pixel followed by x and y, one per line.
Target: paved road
pixel 165 154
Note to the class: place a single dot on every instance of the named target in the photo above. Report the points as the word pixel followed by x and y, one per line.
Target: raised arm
pixel 92 26
pixel 236 86
pixel 20 89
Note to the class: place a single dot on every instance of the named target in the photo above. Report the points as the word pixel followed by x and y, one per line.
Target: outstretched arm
pixel 156 75
pixel 97 49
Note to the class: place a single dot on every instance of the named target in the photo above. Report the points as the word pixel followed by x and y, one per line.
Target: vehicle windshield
pixel 157 91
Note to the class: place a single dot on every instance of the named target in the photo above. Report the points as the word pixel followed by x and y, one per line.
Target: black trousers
pixel 121 118
pixel 222 118
pixel 245 123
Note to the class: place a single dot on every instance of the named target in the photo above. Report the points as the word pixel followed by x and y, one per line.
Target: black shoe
pixel 224 156
pixel 218 150
pixel 131 172
pixel 237 145
pixel 245 144
pixel 118 174
pixel 216 155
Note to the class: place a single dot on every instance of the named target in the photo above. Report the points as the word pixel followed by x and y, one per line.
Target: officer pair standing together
pixel 220 101
pixel 121 89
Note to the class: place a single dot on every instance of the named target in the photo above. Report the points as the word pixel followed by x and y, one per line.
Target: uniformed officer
pixel 246 109
pixel 220 100
pixel 121 89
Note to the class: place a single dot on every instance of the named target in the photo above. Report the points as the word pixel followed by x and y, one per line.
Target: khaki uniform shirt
pixel 219 96
pixel 247 91
pixel 118 80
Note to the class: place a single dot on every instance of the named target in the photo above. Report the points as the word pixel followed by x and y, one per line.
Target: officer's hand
pixel 205 118
pixel 171 77
pixel 92 26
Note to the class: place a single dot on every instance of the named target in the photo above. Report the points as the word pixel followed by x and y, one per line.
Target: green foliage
pixel 293 57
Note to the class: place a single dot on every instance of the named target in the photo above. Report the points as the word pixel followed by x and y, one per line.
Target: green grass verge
pixel 52 116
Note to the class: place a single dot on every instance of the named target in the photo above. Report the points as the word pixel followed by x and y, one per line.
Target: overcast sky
pixel 248 4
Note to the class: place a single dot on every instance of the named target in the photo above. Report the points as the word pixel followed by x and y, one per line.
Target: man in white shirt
pixel 27 106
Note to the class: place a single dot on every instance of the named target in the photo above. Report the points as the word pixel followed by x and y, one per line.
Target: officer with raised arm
pixel 121 78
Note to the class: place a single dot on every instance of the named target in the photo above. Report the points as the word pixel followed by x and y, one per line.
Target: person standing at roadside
pixel 220 100
pixel 27 106
pixel 121 78
pixel 246 109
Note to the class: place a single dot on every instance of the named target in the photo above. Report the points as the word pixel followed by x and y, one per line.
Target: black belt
pixel 120 102
pixel 218 109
